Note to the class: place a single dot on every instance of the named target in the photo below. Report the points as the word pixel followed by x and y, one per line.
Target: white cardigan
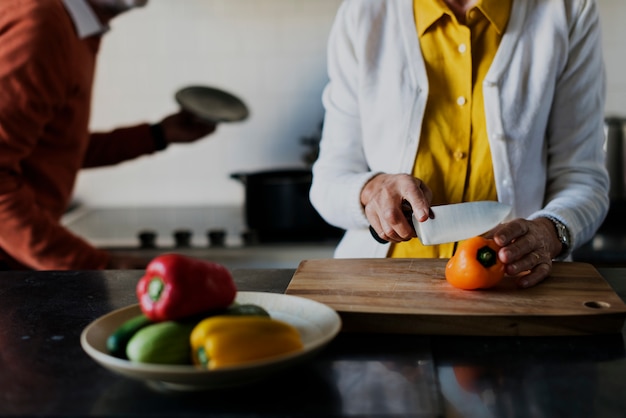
pixel 544 104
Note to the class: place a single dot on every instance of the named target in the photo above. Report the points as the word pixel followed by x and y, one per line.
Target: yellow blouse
pixel 454 158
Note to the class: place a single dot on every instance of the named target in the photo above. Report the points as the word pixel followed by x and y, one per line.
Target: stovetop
pixel 117 230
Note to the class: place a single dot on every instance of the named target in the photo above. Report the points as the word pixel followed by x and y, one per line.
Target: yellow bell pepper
pixel 223 340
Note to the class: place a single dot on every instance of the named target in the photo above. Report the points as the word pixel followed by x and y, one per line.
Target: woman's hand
pixel 528 248
pixel 382 199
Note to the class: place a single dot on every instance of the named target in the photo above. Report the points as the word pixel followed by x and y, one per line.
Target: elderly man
pixel 48 51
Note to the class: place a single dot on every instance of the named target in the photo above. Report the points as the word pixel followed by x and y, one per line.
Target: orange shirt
pixel 454 158
pixel 46 77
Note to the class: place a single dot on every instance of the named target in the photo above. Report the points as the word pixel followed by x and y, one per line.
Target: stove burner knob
pixel 250 237
pixel 217 237
pixel 147 239
pixel 182 238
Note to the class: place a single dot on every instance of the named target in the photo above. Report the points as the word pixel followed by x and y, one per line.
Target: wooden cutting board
pixel 413 296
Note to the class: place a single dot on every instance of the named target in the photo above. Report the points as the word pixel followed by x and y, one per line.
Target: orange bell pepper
pixel 475 265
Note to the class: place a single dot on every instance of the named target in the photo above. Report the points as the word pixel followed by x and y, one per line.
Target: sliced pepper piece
pixel 222 340
pixel 176 286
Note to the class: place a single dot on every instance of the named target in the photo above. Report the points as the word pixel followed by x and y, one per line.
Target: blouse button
pixel 459 155
pixel 460 100
pixel 462 48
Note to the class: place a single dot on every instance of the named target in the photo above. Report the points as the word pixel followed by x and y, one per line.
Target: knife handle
pixel 376 237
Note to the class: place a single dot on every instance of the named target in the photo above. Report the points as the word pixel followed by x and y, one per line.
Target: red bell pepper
pixel 176 286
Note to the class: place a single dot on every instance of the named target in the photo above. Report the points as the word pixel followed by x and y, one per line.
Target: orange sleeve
pixel 37 173
pixel 118 145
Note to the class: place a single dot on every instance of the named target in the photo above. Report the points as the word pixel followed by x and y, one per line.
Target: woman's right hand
pixel 382 199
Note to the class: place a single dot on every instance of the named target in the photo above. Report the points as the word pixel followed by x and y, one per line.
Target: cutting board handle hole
pixel 597 305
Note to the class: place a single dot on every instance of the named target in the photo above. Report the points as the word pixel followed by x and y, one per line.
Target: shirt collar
pixel 430 11
pixel 497 12
pixel 85 20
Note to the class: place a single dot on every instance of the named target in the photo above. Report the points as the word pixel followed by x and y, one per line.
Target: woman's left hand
pixel 528 248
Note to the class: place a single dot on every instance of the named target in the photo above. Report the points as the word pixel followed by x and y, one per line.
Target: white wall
pixel 613 20
pixel 271 53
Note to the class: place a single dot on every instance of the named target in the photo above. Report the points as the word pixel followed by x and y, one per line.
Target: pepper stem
pixel 203 357
pixel 486 256
pixel 155 288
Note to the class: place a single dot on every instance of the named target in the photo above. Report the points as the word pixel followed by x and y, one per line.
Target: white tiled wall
pixel 271 53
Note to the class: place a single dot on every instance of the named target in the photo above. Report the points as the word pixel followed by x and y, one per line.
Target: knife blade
pixel 457 221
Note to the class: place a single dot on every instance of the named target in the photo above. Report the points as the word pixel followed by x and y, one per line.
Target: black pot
pixel 277 206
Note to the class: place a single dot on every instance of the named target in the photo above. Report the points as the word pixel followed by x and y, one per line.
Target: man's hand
pixel 528 248
pixel 382 198
pixel 183 127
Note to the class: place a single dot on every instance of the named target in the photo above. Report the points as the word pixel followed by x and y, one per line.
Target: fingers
pixel 525 250
pixel 378 236
pixel 183 127
pixel 418 196
pixel 535 275
pixel 390 225
pixel 383 197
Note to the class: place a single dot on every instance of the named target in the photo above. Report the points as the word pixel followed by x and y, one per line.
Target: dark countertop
pixel 44 371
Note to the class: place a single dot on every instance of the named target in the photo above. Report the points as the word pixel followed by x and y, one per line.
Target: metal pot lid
pixel 211 104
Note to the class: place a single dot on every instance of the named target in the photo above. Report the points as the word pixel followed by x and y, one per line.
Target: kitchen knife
pixel 456 222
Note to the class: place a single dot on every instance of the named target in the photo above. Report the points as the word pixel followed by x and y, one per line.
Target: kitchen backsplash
pixel 270 53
